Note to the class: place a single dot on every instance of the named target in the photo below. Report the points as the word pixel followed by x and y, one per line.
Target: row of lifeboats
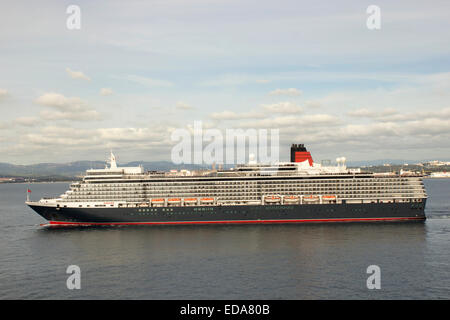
pixel 296 199
pixel 177 201
pixel 272 199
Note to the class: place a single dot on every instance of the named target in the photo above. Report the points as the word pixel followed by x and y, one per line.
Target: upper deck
pixel 284 182
pixel 251 169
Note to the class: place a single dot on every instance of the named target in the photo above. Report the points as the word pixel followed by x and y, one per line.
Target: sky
pixel 136 71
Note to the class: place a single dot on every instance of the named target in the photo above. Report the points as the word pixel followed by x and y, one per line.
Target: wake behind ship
pixel 290 192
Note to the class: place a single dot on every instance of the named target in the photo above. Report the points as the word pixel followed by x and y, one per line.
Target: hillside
pixel 77 168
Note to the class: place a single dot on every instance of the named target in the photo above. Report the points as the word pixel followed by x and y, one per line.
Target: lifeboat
pixel 291 199
pixel 158 201
pixel 272 199
pixel 174 201
pixel 329 198
pixel 190 201
pixel 207 200
pixel 310 198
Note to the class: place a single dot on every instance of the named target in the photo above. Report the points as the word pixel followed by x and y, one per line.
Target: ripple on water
pixel 322 261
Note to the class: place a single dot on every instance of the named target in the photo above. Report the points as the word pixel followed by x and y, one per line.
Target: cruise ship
pixel 298 191
pixel 442 174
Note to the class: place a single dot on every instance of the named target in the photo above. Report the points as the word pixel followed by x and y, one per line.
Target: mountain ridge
pixel 75 168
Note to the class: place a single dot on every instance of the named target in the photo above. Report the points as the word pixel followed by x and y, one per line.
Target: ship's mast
pixel 112 161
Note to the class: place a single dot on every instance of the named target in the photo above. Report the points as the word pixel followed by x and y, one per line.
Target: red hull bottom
pixel 64 223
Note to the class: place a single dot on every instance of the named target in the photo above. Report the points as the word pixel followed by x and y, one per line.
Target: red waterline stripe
pixel 63 223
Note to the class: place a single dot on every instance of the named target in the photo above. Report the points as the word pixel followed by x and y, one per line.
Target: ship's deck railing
pixel 208 179
pixel 352 186
pixel 140 203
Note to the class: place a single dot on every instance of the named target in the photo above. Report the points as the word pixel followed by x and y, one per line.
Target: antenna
pixel 112 161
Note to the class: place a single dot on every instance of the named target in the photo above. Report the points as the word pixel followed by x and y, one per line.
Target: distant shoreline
pixel 38 182
pixel 71 181
pixel 436 177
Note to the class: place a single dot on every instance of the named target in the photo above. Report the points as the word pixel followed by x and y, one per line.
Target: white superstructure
pixel 252 184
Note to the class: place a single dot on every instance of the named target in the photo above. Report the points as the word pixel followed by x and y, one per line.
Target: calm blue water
pixel 312 261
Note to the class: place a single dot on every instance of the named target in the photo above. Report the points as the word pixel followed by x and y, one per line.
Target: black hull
pixel 235 214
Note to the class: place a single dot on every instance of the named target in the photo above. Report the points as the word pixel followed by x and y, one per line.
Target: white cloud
pixel 59 101
pixel 284 122
pixel 312 104
pixel 393 115
pixel 77 75
pixel 319 131
pixel 184 106
pixel 236 79
pixel 184 46
pixel 106 91
pixel 231 115
pixel 144 135
pixel 285 92
pixel 370 133
pixel 3 93
pixel 283 107
pixel 366 113
pixel 148 82
pixel 27 121
pixel 49 137
pixel 93 141
pixel 21 121
pixel 87 115
pixel 66 108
